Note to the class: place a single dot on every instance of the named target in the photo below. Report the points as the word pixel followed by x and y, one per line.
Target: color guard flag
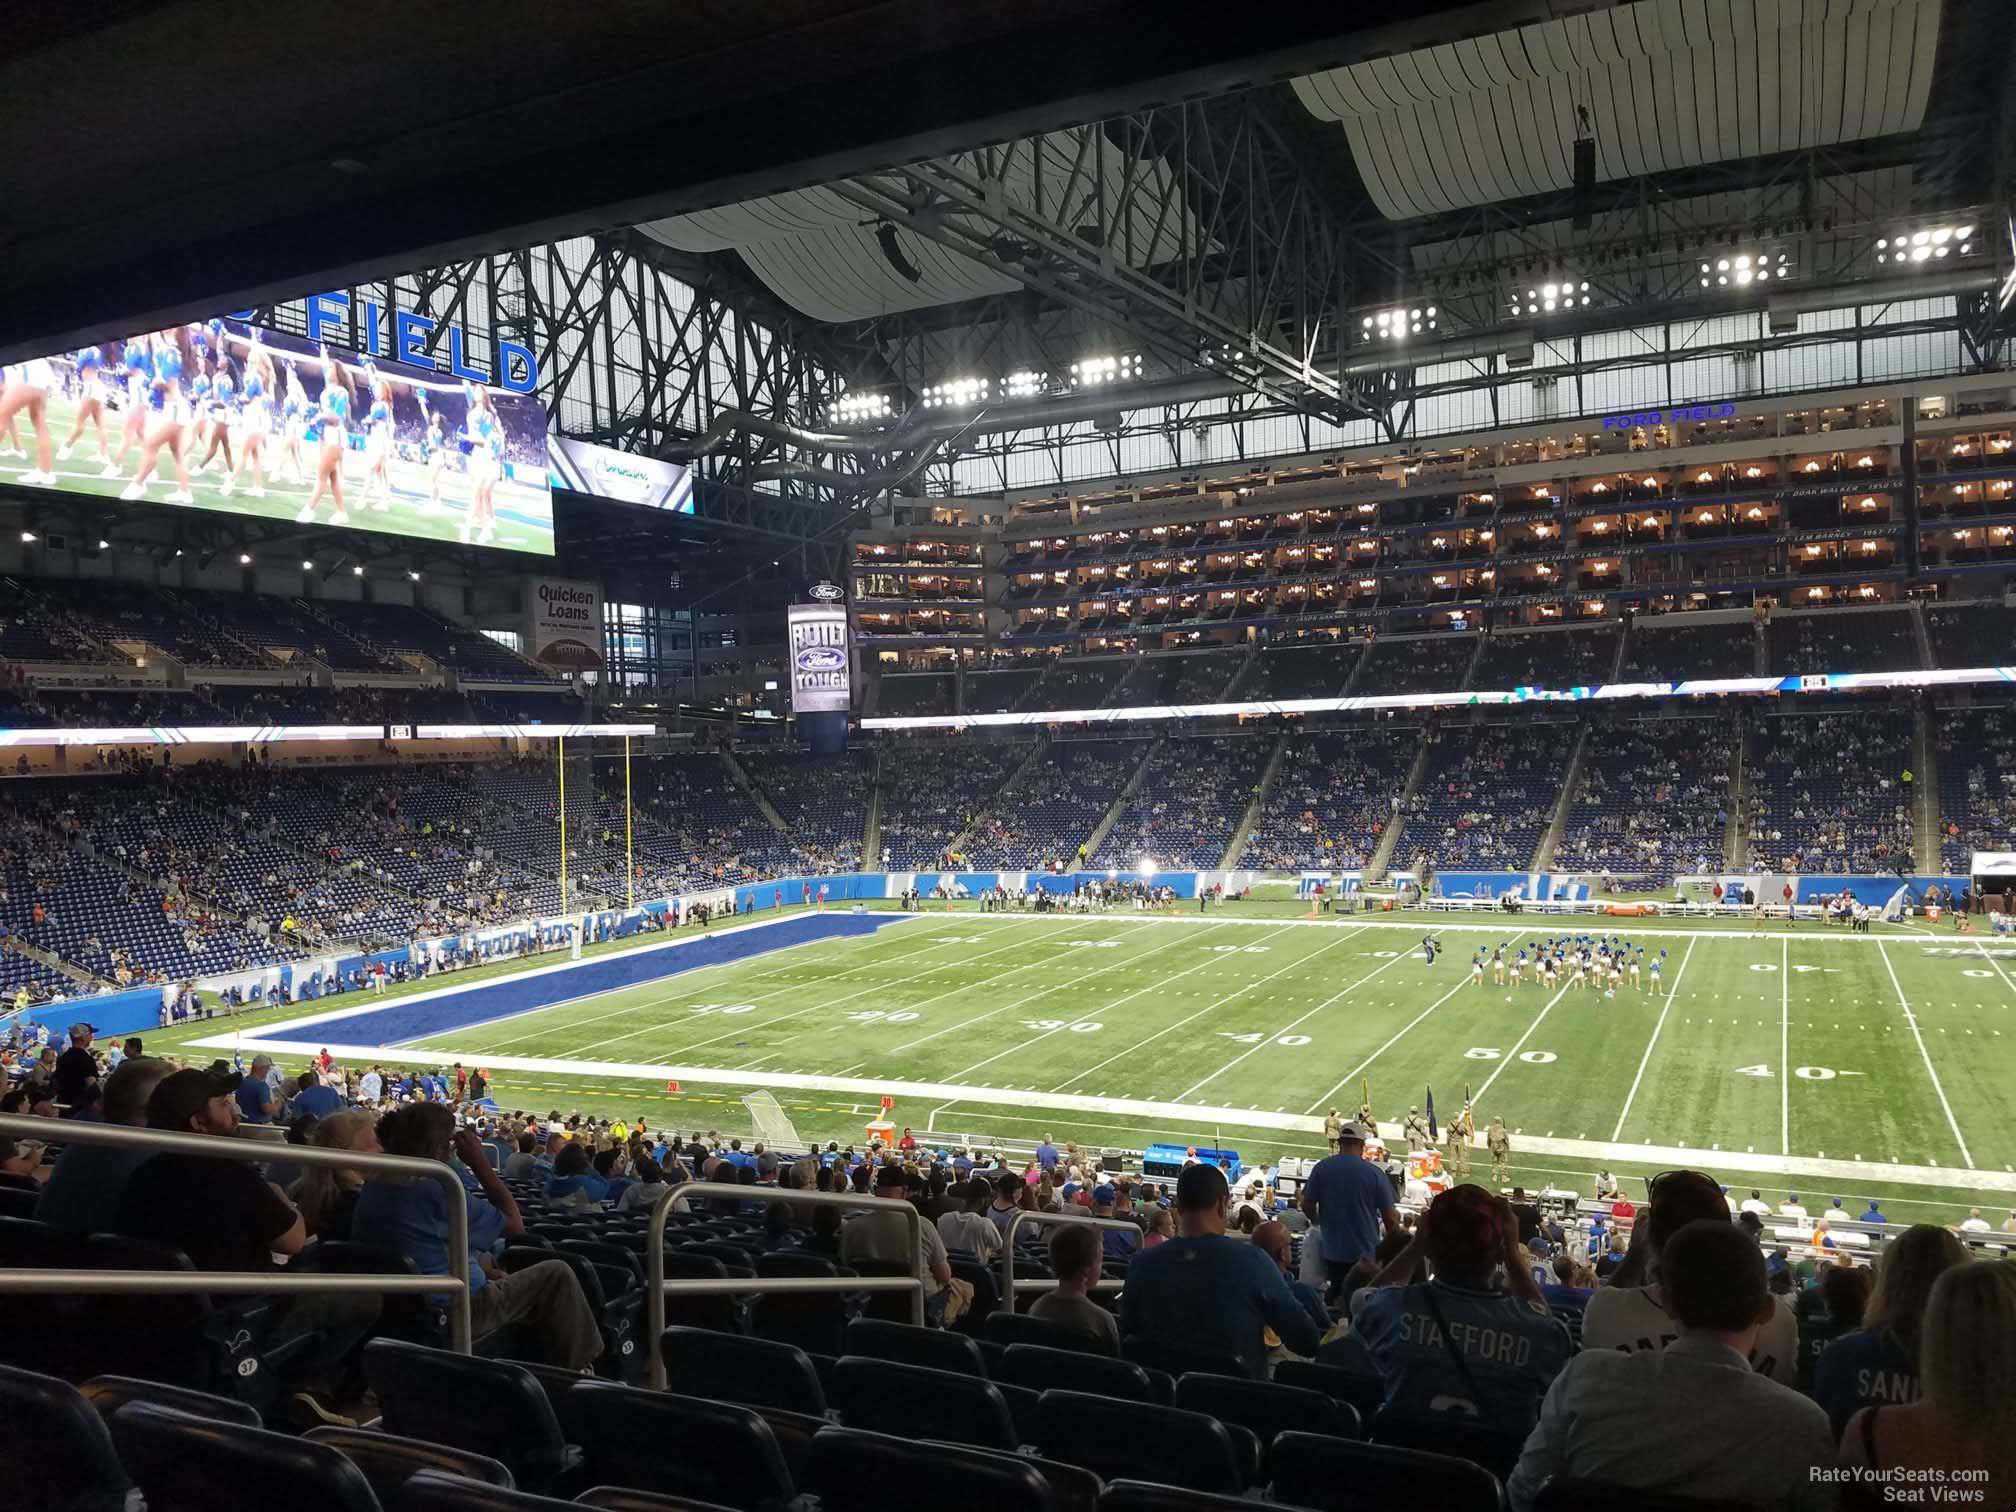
pixel 888 1103
pixel 1433 1131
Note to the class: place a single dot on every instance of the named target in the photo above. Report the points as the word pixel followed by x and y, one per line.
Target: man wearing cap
pixel 1119 1244
pixel 1637 1319
pixel 76 1067
pixel 1208 1292
pixel 1350 1201
pixel 225 1217
pixel 255 1093
pixel 881 1234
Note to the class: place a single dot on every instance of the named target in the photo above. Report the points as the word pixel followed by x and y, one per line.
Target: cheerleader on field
pixel 378 442
pixel 294 412
pixel 90 404
pixel 434 448
pixel 486 466
pixel 25 386
pixel 167 421
pixel 138 362
pixel 256 422
pixel 332 428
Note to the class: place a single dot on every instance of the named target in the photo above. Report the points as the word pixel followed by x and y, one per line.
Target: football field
pixel 1807 1059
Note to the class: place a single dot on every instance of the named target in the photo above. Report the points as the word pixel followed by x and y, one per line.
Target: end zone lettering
pixel 1670 417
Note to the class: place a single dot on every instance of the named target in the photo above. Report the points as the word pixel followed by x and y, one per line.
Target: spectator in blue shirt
pixel 1046 1153
pixel 1457 1342
pixel 313 1099
pixel 1208 1292
pixel 1876 1365
pixel 1873 1214
pixel 1350 1200
pixel 1119 1244
pixel 411 1218
pixel 82 1194
pixel 255 1094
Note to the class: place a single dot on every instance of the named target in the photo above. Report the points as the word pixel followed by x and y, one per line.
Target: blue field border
pixel 484 1002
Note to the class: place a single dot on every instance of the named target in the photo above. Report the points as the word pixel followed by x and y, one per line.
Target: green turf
pixel 1212 1012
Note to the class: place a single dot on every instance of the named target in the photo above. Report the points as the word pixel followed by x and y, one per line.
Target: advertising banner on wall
pixel 628 479
pixel 819 663
pixel 565 632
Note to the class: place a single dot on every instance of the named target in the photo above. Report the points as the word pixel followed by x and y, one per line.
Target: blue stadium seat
pixel 489 1407
pixel 937 1404
pixel 70 1465
pixel 872 1472
pixel 389 1461
pixel 754 1372
pixel 1267 1408
pixel 877 1338
pixel 1345 1475
pixel 1042 1369
pixel 1136 1440
pixel 681 1446
pixel 189 1464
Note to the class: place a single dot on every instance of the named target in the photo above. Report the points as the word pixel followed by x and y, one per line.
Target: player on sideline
pixel 90 404
pixel 1429 945
pixel 1658 967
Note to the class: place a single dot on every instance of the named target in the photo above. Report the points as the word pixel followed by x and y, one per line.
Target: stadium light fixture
pixel 860 408
pixel 1559 294
pixel 1024 384
pixel 412 575
pixel 244 559
pixel 1398 323
pixel 307 564
pixel 104 545
pixel 357 570
pixel 1091 372
pixel 958 391
pixel 1927 244
pixel 1742 269
pixel 27 538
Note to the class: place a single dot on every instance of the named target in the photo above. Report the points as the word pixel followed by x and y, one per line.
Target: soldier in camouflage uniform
pixel 1462 1130
pixel 1500 1144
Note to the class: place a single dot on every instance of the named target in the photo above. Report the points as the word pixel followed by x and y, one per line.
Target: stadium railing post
pixel 1009 1285
pixel 657 1288
pixel 275 1283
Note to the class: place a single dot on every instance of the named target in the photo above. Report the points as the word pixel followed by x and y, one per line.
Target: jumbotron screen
pixel 229 417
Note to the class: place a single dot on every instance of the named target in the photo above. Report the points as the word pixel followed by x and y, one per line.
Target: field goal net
pixel 773 1125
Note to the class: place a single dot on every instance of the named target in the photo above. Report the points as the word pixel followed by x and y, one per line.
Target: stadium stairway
pixel 1389 840
pixel 871 820
pixel 1261 794
pixel 1470 672
pixel 756 794
pixel 1564 801
pixel 1735 838
pixel 1925 825
pixel 1357 667
pixel 958 843
pixel 1924 634
pixel 1120 800
pixel 54 962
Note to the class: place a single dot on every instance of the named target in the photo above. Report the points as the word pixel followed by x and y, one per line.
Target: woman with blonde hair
pixel 1877 1363
pixel 1961 1431
pixel 327 1195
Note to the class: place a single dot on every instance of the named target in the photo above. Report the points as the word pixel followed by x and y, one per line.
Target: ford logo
pixel 822 659
pixel 825 593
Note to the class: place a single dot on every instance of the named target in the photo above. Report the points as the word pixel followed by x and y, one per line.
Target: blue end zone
pixel 481 1002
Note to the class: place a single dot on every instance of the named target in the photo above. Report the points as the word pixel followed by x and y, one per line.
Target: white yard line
pixel 1065 986
pixel 1103 1008
pixel 1437 923
pixel 1268 1039
pixel 1646 1059
pixel 1398 1035
pixel 1785 1048
pixel 745 1030
pixel 1191 1018
pixel 1180 1115
pixel 1983 950
pixel 1513 1054
pixel 1911 1018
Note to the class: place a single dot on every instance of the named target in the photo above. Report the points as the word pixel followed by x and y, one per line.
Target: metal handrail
pixel 256 1152
pixel 657 1288
pixel 1010 1286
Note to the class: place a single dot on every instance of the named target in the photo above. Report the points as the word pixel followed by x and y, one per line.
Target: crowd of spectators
pixel 1652 797
pixel 1828 793
pixel 1667 1349
pixel 1486 797
pixel 1334 796
pixel 1415 664
pixel 1869 640
pixel 1977 784
pixel 1546 658
pixel 1656 653
pixel 931 793
pixel 1192 796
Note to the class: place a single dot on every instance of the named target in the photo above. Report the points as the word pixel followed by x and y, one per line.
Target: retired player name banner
pixel 820 683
